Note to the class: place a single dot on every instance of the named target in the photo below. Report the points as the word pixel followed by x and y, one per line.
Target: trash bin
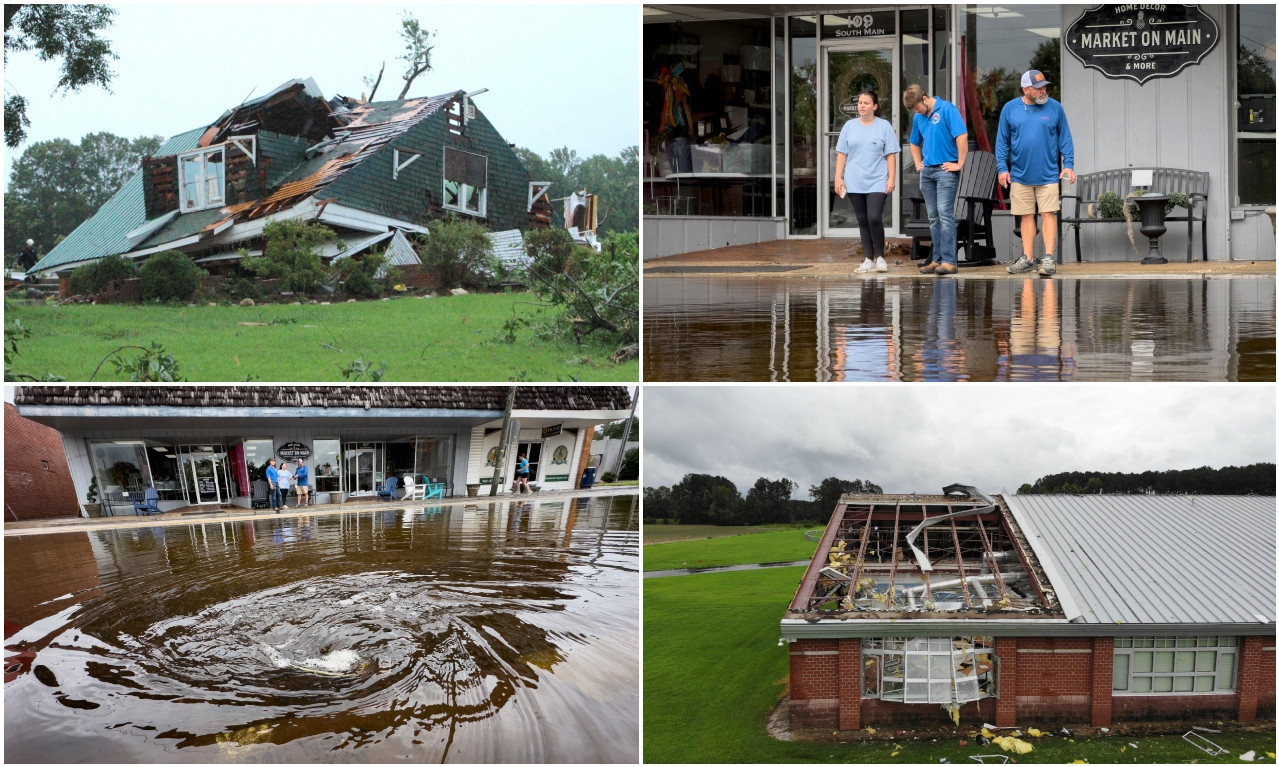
pixel 588 477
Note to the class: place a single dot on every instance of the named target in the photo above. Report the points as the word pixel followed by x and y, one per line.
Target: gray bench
pixel 1192 183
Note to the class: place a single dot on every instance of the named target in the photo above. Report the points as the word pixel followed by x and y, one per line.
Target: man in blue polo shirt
pixel 273 479
pixel 939 145
pixel 1033 139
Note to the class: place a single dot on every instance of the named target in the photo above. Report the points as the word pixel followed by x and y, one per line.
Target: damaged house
pixel 1029 609
pixel 372 172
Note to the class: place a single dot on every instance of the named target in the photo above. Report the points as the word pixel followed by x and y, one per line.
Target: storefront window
pixel 166 477
pixel 325 465
pixel 708 94
pixel 803 124
pixel 1255 81
pixel 915 68
pixel 998 44
pixel 121 467
pixel 256 453
pixel 434 458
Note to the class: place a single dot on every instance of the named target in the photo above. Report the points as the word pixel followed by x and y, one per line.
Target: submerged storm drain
pixel 769 268
pixel 357 656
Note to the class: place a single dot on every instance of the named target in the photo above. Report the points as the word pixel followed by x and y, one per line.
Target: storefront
pixel 742 108
pixel 199 447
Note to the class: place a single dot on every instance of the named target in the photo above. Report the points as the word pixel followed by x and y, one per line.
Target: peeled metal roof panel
pixel 1151 560
pixel 104 233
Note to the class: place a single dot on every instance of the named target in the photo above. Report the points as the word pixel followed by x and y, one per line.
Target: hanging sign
pixel 291 451
pixel 551 431
pixel 1141 42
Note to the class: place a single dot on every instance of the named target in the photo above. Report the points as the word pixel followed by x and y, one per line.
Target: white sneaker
pixel 867 266
pixel 881 265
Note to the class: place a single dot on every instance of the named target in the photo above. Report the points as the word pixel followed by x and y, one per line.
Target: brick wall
pixel 814 682
pixel 1054 680
pixel 37 482
pixel 1103 670
pixel 1256 678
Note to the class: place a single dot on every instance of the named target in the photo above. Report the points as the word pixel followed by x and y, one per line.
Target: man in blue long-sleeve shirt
pixel 1033 139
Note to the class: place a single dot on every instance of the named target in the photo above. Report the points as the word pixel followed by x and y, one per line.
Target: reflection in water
pixel 879 329
pixel 481 633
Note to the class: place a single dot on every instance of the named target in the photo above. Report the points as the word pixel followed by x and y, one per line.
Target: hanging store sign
pixel 1141 42
pixel 291 451
pixel 551 431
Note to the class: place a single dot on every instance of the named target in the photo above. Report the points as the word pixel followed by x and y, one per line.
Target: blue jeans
pixel 277 497
pixel 939 188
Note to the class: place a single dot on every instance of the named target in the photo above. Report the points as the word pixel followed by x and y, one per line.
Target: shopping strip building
pixel 208 445
pixel 778 81
pixel 1031 609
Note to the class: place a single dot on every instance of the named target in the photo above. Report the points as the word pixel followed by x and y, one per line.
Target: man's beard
pixel 1041 100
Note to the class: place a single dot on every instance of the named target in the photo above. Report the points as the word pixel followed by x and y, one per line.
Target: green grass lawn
pixel 713 672
pixel 455 338
pixel 788 545
pixel 668 533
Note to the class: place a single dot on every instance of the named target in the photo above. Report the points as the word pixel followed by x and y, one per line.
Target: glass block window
pixel 928 670
pixel 1174 665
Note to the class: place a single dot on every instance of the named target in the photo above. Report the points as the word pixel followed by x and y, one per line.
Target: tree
pixel 614 430
pixel 597 291
pixel 657 502
pixel 614 180
pixel 769 501
pixel 290 254
pixel 56 185
pixel 459 253
pixel 66 32
pixel 826 495
pixel 702 499
pixel 417 51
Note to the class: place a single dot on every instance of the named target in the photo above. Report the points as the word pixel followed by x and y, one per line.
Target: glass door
pixel 204 474
pixel 364 467
pixel 848 68
pixel 534 452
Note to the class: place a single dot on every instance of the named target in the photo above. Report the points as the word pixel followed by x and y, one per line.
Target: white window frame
pixel 926 669
pixel 464 191
pixel 1147 665
pixel 203 182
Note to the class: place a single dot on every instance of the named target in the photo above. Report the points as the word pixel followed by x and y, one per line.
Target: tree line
pixel 1255 479
pixel 704 499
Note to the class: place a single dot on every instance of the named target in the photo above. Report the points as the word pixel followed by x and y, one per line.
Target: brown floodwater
pixel 959 329
pixel 503 632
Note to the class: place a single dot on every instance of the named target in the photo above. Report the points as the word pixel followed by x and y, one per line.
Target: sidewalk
pixel 196 515
pixel 830 258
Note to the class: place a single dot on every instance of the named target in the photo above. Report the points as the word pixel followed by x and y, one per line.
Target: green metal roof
pixel 103 234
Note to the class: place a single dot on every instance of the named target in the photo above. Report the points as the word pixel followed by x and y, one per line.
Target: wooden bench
pixel 1090 187
pixel 974 201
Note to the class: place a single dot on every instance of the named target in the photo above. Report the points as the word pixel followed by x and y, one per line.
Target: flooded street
pixel 771 329
pixel 503 632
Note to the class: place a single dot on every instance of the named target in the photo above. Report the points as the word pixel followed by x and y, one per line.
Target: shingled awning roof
pixel 406 397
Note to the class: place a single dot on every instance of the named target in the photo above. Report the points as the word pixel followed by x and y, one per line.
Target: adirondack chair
pixel 413 491
pixel 149 504
pixel 388 490
pixel 434 489
pixel 974 202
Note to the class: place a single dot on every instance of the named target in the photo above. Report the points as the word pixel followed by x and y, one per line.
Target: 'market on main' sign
pixel 1141 42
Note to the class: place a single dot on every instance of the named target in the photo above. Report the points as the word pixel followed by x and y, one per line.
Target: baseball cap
pixel 1034 79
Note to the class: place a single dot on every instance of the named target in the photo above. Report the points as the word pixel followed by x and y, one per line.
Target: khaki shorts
pixel 303 489
pixel 1025 197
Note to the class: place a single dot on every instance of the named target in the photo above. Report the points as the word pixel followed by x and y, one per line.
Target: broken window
pixel 1174 665
pixel 944 670
pixel 202 178
pixel 465 182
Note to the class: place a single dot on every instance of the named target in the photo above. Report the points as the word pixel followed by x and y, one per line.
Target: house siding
pixel 417 194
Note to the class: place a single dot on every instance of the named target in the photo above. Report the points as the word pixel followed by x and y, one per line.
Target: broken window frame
pixel 205 183
pixel 1203 665
pixel 890 665
pixel 463 197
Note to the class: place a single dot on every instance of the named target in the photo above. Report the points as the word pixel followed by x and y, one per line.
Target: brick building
pixel 1024 610
pixel 37 482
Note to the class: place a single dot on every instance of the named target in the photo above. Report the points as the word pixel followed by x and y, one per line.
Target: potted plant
pixel 91 505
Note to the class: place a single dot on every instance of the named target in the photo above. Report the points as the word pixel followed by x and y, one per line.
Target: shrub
pixel 359 283
pixel 551 251
pixel 630 465
pixel 608 476
pixel 93 277
pixel 460 254
pixel 170 276
pixel 291 256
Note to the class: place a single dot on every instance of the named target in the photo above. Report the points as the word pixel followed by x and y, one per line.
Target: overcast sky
pixel 558 75
pixel 921 438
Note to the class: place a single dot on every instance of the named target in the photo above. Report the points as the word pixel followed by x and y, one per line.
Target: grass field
pixel 668 533
pixel 787 545
pixel 713 672
pixel 455 338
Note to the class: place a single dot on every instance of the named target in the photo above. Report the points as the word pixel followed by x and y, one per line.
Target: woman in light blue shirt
pixel 866 170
